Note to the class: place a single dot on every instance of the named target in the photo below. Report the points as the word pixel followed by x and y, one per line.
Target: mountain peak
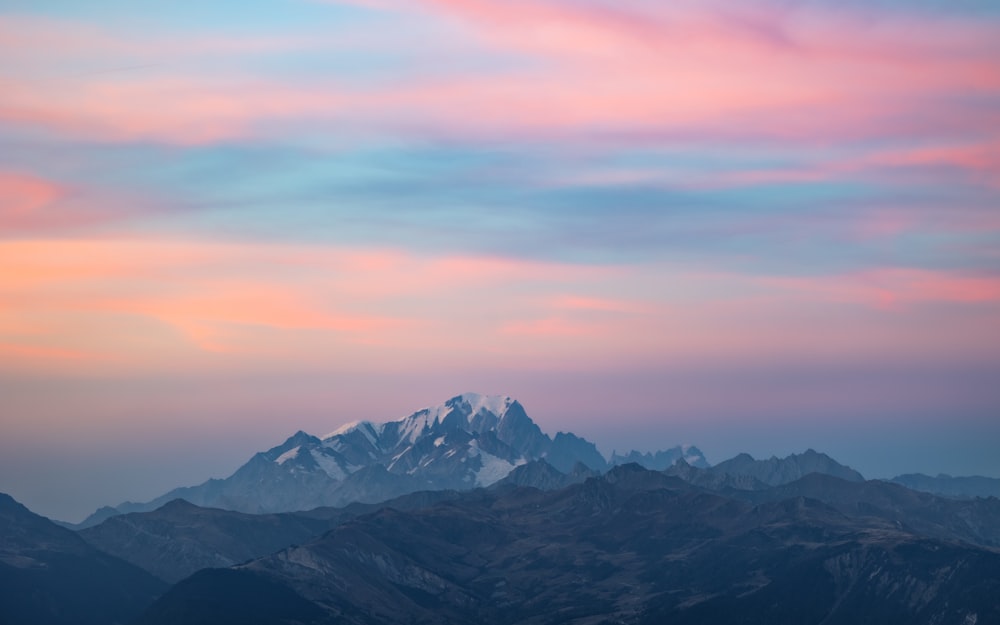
pixel 478 402
pixel 178 505
pixel 8 503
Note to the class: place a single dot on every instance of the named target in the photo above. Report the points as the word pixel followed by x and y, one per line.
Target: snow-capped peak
pixel 413 426
pixel 344 429
pixel 494 404
pixel 367 429
pixel 497 404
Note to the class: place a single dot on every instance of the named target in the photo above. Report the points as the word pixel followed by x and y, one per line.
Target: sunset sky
pixel 754 226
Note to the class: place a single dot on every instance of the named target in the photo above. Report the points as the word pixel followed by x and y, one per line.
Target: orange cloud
pixel 23 198
pixel 86 306
pixel 131 299
pixel 40 353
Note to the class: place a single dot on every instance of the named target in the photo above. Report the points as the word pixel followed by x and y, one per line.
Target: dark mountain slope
pixel 180 538
pixel 634 546
pixel 51 576
pixel 227 596
pixel 975 521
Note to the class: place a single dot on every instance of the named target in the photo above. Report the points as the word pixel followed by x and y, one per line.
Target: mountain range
pixel 631 546
pixel 961 487
pixel 467 511
pixel 470 440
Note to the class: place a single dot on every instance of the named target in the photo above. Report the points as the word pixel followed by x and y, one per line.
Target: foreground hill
pixel 51 576
pixel 180 538
pixel 633 546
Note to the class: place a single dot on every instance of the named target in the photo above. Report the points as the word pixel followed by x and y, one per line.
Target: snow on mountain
pixel 288 455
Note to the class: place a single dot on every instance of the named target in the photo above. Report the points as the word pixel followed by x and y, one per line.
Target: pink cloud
pixel 690 69
pixel 888 288
pixel 671 68
pixel 23 198
pixel 31 204
pixel 551 327
pixel 600 304
pixel 201 109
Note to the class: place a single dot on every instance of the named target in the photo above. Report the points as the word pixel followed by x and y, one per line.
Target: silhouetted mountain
pixel 543 476
pixel 51 576
pixel 102 514
pixel 568 449
pixel 948 486
pixel 775 471
pixel 975 521
pixel 661 460
pixel 180 538
pixel 714 480
pixel 633 546
pixel 469 441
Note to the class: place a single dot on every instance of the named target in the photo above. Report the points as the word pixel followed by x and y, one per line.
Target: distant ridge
pixel 775 471
pixel 663 459
pixel 948 486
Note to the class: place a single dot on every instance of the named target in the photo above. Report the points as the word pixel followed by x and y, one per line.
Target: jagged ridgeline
pixel 469 441
pixel 630 546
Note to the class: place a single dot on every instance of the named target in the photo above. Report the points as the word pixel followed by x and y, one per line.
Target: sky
pixel 762 226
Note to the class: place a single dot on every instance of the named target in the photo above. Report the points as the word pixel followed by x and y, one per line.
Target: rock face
pixel 51 576
pixel 469 441
pixel 632 546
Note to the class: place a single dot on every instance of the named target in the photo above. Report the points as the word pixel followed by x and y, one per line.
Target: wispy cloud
pixel 591 200
pixel 762 71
